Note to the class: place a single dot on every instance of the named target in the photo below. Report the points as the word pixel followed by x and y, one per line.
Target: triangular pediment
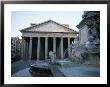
pixel 48 26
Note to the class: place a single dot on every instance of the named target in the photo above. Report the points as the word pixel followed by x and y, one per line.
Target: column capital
pixel 46 37
pixel 54 37
pixel 30 38
pixel 61 38
pixel 38 38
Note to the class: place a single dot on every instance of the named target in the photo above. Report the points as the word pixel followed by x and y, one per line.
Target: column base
pixel 38 60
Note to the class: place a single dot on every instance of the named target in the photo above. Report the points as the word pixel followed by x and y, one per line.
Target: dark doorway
pixel 42 48
pixel 58 51
pixel 34 48
pixel 50 44
pixel 65 46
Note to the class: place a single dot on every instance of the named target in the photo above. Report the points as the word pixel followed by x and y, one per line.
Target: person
pixel 52 57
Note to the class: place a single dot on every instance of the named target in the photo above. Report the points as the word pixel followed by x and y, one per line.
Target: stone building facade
pixel 39 39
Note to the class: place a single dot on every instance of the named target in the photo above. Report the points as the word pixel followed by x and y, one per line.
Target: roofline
pixel 47 22
pixel 48 32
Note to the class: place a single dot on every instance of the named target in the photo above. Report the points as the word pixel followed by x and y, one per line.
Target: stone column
pixel 68 46
pixel 38 48
pixel 30 48
pixel 27 49
pixel 46 47
pixel 22 47
pixel 61 47
pixel 54 44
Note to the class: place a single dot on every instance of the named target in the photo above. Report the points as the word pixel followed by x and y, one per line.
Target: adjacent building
pixel 15 48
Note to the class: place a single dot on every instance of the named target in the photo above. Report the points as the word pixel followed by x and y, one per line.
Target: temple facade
pixel 39 39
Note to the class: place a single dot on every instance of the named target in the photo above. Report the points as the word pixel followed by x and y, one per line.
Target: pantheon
pixel 39 39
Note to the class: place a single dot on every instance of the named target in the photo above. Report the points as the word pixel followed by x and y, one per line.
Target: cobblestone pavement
pixel 22 73
pixel 19 65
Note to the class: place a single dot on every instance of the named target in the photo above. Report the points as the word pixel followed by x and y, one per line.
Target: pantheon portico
pixel 39 39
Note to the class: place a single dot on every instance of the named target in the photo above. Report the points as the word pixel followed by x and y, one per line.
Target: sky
pixel 23 19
